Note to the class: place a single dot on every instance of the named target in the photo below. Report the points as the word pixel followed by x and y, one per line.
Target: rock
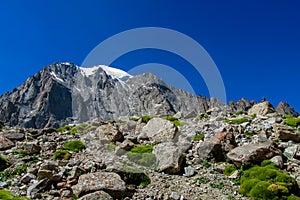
pixel 33 190
pixel 263 109
pixel 5 143
pixel 234 175
pixel 253 153
pixel 31 148
pixel 109 133
pixel 27 178
pixel 99 195
pixel 14 135
pixel 286 133
pixel 65 193
pixel 217 147
pixel 47 131
pixel 169 157
pixel 284 108
pixel 278 161
pixel 160 130
pixel 291 151
pixel 50 175
pixel 175 196
pixel 110 182
pixel 76 172
pixel 190 115
pixel 126 145
pixel 178 115
pixel 189 171
pixel 1 124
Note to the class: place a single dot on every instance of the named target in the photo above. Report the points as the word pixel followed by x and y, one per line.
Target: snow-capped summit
pixel 113 72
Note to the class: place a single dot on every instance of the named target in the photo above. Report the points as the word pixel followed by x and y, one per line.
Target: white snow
pixel 89 71
pixel 113 72
pixel 55 76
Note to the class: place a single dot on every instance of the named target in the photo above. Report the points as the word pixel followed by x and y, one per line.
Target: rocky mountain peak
pixel 63 93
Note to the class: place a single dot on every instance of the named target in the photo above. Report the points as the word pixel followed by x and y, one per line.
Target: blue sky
pixel 255 44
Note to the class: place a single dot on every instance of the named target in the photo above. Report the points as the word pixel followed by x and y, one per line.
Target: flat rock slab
pixel 13 135
pixel 286 133
pixel 107 181
pixel 160 130
pixel 253 153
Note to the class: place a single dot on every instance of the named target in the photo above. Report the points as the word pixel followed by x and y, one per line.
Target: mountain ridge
pixel 63 93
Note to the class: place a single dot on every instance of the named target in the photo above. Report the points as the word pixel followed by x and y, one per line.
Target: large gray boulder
pixel 217 147
pixel 107 181
pixel 109 133
pixel 286 133
pixel 169 157
pixel 263 109
pixel 160 130
pixel 253 153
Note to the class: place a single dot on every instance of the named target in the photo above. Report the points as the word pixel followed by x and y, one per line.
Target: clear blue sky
pixel 255 44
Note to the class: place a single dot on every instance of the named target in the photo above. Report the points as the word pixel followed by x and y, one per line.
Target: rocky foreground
pixel 150 157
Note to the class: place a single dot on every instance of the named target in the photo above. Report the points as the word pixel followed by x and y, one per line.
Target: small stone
pixel 175 196
pixel 189 171
pixel 278 161
pixel 27 178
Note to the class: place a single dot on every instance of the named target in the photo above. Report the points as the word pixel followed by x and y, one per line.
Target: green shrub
pixel 240 112
pixel 72 129
pixel 64 128
pixel 7 195
pixel 74 145
pixel 134 119
pixel 146 118
pixel 291 121
pixel 229 170
pixel 3 162
pixel 142 149
pixel 205 163
pixel 144 159
pixel 134 175
pixel 267 182
pixel 178 123
pixel 171 118
pixel 62 154
pixel 111 147
pixel 198 137
pixel 142 155
pixel 237 121
pixel 293 197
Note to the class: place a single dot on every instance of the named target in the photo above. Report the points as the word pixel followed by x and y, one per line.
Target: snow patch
pixel 56 77
pixel 113 72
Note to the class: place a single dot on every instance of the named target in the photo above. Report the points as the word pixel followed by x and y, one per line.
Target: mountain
pixel 64 93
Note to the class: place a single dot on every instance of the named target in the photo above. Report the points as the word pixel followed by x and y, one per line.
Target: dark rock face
pixel 284 108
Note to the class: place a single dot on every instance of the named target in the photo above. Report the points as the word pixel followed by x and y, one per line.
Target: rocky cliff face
pixel 64 93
